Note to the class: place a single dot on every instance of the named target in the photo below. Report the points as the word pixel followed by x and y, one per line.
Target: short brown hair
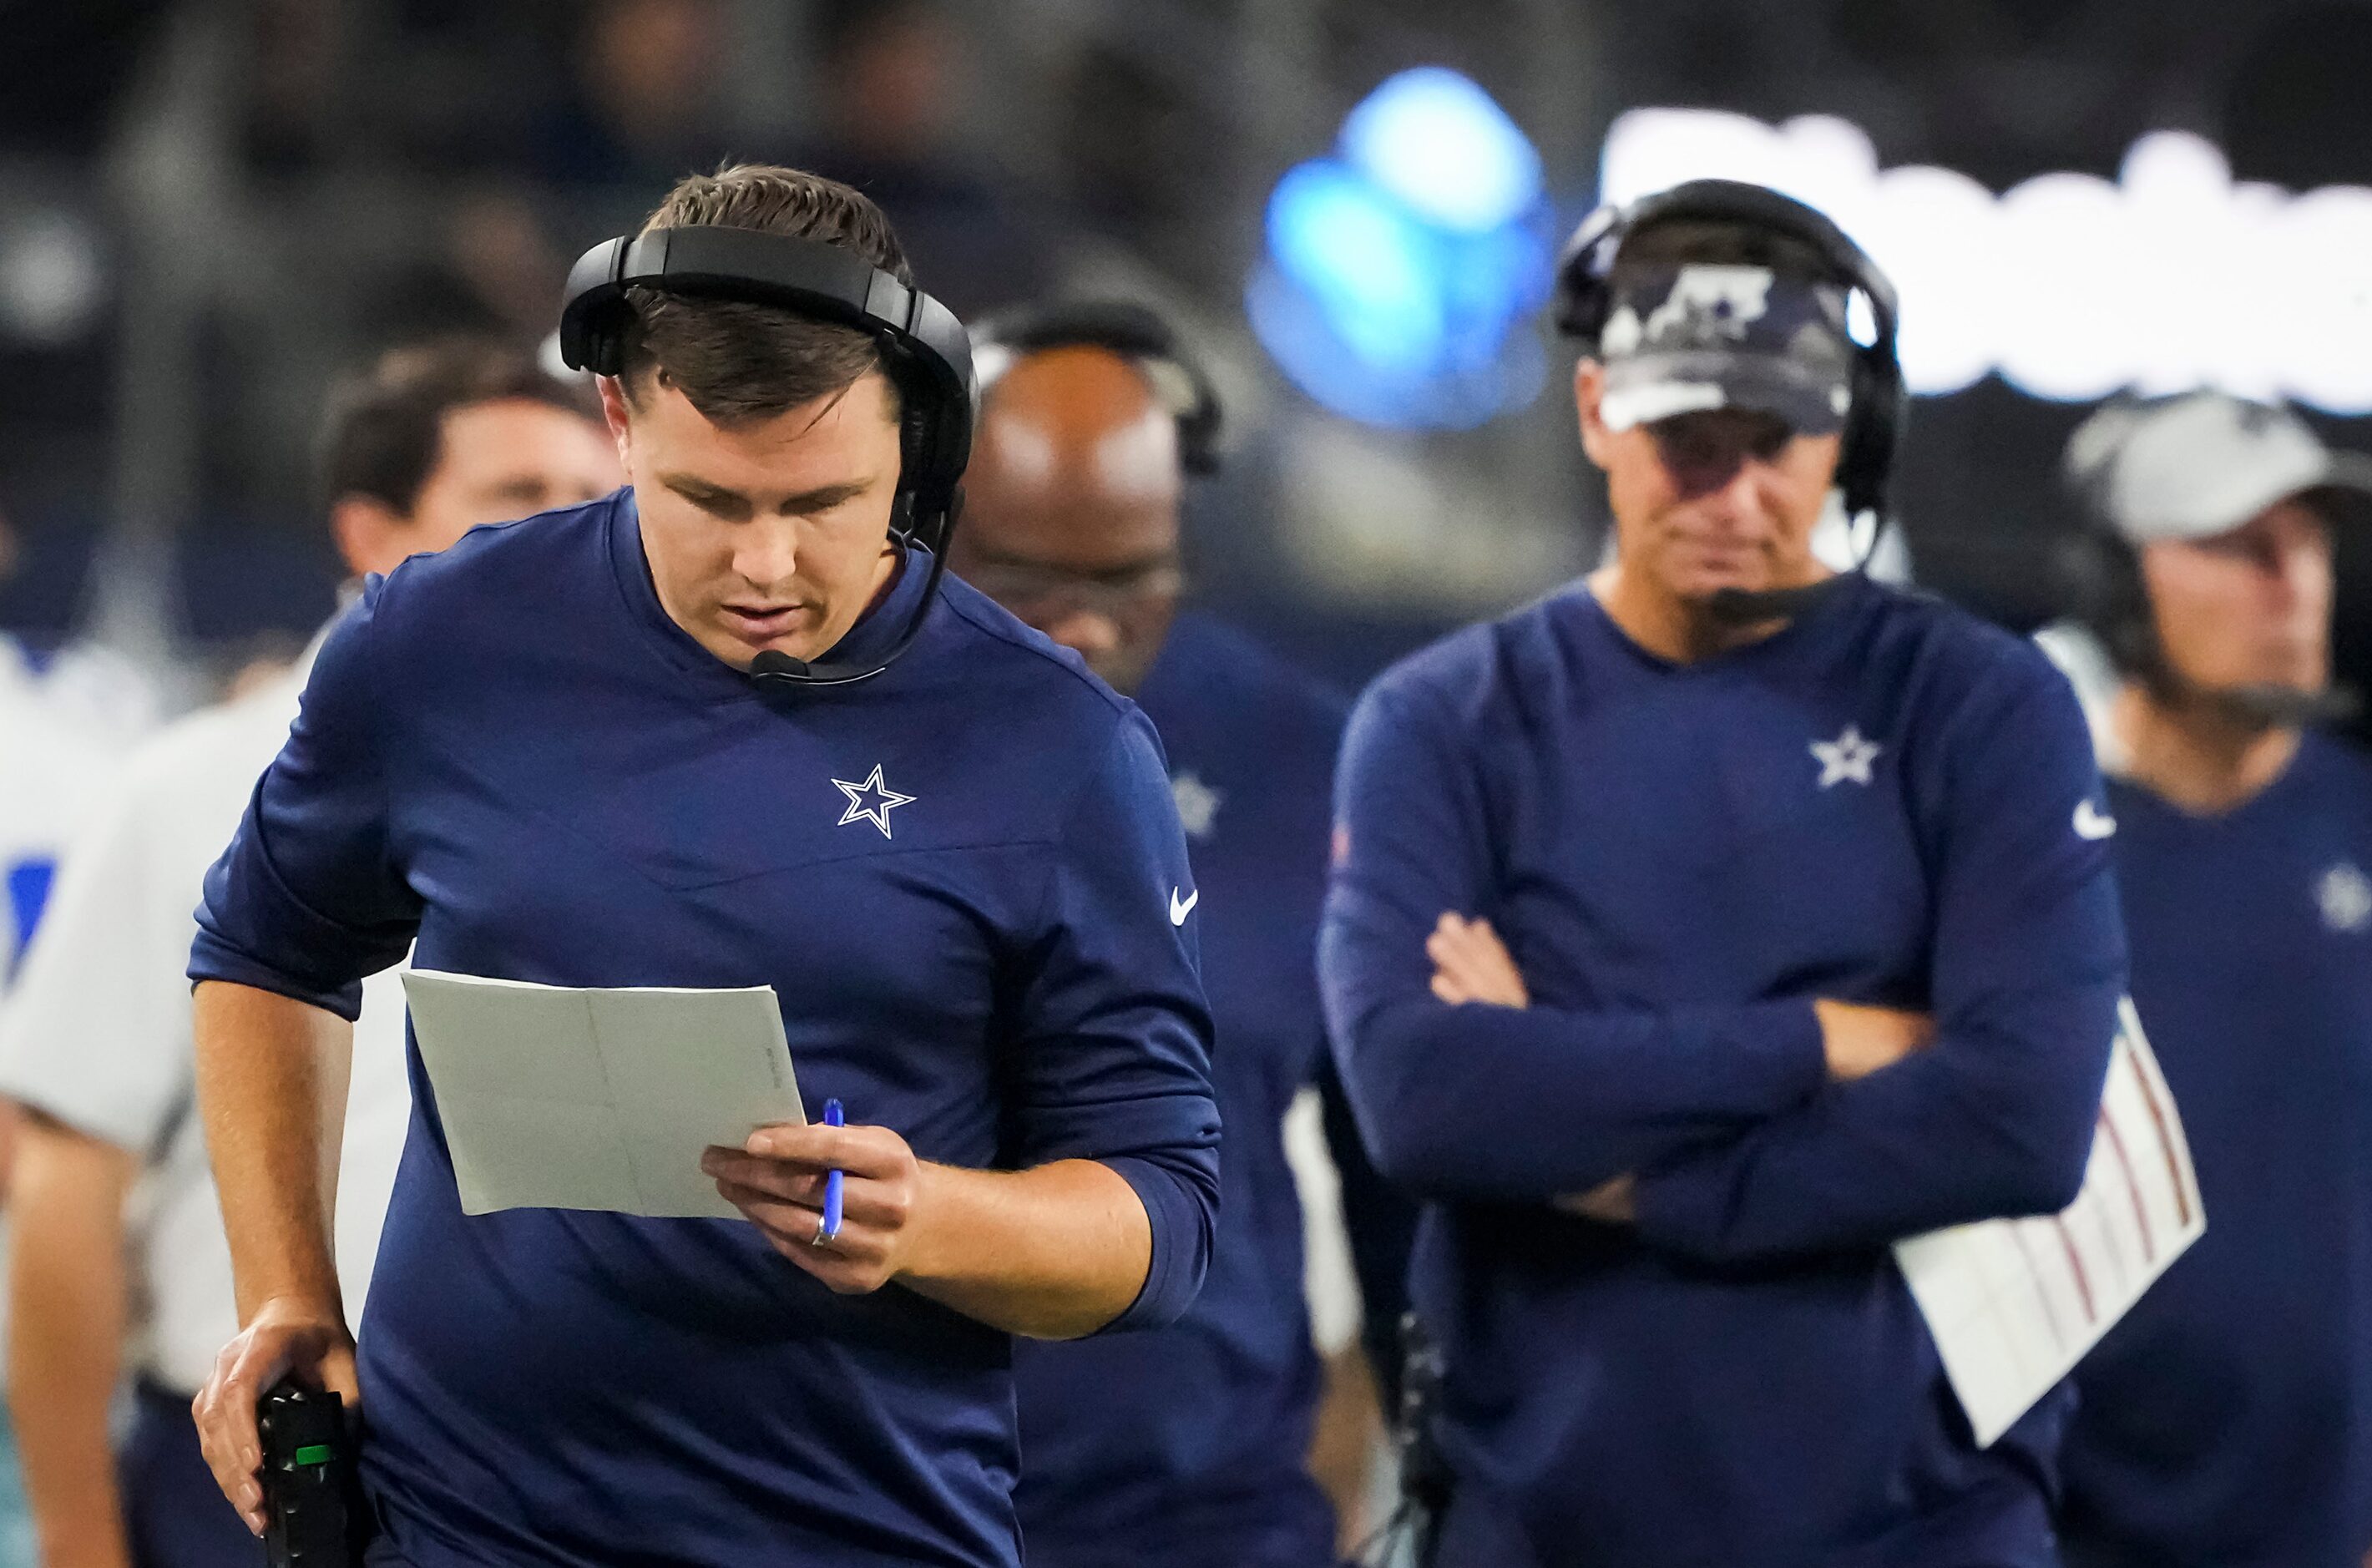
pixel 1732 243
pixel 737 360
pixel 385 428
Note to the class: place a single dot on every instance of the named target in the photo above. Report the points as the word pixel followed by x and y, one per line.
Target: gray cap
pixel 2198 465
pixel 1699 335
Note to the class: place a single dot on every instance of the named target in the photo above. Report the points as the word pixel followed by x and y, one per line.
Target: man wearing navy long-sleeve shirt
pixel 548 754
pixel 1188 1446
pixel 1696 933
pixel 2226 1422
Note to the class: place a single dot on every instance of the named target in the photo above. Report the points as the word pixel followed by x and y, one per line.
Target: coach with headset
pixel 1701 931
pixel 732 726
pixel 2226 1422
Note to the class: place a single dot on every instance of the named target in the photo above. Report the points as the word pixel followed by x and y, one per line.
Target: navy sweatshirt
pixel 1876 804
pixel 2227 1421
pixel 958 876
pixel 1187 1446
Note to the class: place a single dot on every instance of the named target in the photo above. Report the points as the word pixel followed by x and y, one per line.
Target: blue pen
pixel 830 1232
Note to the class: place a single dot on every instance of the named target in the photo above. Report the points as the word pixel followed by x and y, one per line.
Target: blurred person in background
pixel 54 758
pixel 68 717
pixel 641 104
pixel 490 271
pixel 103 699
pixel 896 80
pixel 1188 1446
pixel 119 1240
pixel 1700 932
pixel 95 700
pixel 51 770
pixel 2228 1419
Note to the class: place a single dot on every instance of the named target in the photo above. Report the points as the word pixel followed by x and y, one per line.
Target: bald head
pixel 1071 506
pixel 1075 456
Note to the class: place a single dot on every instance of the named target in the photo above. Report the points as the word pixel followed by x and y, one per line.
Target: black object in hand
pixel 312 1496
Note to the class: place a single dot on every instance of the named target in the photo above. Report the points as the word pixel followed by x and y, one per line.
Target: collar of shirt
pixel 2293 793
pixel 873 635
pixel 1851 590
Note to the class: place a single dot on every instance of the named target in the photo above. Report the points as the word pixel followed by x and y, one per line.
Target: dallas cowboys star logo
pixel 1198 803
pixel 871 801
pixel 1847 757
pixel 2345 894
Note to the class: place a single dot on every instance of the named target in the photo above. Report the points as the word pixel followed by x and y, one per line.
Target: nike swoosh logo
pixel 1181 908
pixel 2091 822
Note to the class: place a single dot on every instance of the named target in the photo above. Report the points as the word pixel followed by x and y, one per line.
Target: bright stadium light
pixel 1438 143
pixel 1362 260
pixel 1398 270
pixel 2070 287
pixel 2061 322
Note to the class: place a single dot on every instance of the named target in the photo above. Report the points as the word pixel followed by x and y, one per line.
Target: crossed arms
pixel 1771 1127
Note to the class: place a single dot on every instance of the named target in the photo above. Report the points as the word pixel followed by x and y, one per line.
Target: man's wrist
pixel 301 1302
pixel 922 1251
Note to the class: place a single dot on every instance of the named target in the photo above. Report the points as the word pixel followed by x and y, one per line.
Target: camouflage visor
pixel 1683 338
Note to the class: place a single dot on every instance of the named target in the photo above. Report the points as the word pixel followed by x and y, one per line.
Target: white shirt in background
pixel 2089 669
pixel 51 775
pixel 98 1030
pixel 103 696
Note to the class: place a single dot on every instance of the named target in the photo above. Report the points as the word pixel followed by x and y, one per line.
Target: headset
pixel 2111 597
pixel 1585 298
pixel 1137 334
pixel 924 353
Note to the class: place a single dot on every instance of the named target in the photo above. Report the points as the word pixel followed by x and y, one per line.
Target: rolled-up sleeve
pixel 305 901
pixel 1113 1061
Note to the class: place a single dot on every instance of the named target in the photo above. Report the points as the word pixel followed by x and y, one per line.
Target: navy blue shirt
pixel 959 875
pixel 1876 804
pixel 1188 1446
pixel 2227 1421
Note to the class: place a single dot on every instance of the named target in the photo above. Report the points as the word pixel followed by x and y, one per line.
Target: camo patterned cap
pixel 1698 336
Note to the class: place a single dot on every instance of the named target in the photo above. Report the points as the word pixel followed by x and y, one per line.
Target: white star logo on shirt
pixel 2345 894
pixel 1198 803
pixel 1847 757
pixel 871 801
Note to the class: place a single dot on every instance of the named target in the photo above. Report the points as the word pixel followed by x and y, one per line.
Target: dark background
pixel 207 207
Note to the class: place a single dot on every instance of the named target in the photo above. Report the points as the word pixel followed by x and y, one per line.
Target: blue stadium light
pixel 1438 143
pixel 1361 257
pixel 1398 270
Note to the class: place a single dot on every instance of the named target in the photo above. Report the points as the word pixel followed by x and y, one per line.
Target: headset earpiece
pixel 1582 301
pixel 2109 596
pixel 2104 593
pixel 1873 431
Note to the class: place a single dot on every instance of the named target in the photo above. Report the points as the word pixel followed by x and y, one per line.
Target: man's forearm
pixel 1348 1434
pixel 1544 1100
pixel 272 1086
pixel 1055 1254
pixel 66 1289
pixel 1995 1120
